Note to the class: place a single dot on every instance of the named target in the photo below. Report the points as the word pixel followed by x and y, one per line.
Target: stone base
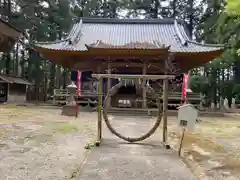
pixel 69 110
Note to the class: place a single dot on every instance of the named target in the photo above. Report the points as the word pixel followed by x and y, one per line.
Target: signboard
pixel 187 116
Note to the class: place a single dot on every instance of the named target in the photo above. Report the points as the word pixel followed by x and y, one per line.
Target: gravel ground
pixel 213 148
pixel 37 143
pixel 118 160
pixel 40 144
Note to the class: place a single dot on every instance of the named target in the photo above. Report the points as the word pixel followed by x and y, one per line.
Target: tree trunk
pixel 58 76
pixel 174 8
pixel 16 60
pixel 52 77
pixel 155 10
pixel 190 17
pixel 45 81
pixel 22 63
pixel 8 63
pixel 236 70
pixel 65 78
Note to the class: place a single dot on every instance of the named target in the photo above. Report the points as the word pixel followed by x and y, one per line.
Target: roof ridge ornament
pixel 130 45
pixel 159 45
pixel 180 36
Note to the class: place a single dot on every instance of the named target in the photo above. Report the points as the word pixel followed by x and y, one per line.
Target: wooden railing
pixel 60 97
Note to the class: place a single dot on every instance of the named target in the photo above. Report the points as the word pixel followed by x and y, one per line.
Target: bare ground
pixel 213 149
pixel 38 143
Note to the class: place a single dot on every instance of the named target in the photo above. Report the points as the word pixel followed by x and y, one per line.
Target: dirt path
pixel 116 160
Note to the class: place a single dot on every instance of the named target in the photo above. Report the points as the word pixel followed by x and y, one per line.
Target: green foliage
pixel 236 92
pixel 233 7
pixel 199 84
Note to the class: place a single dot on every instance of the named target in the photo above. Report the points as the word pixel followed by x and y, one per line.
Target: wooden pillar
pixel 109 85
pixel 165 108
pixel 99 125
pixel 201 102
pixel 165 105
pixel 144 92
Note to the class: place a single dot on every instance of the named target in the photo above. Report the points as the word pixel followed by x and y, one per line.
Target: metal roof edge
pixel 4 79
pixel 220 46
pixel 185 39
pixel 129 21
pixel 76 32
pixel 179 34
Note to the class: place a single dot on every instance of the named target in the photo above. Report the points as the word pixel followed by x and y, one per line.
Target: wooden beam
pixel 114 64
pixel 127 76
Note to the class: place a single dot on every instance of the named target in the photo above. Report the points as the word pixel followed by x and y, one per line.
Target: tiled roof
pixel 13 79
pixel 120 32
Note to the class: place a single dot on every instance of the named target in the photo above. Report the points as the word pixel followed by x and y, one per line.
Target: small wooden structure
pixel 8 36
pixel 13 89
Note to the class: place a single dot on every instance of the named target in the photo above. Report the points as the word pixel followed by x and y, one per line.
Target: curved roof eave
pixel 69 44
pixel 185 40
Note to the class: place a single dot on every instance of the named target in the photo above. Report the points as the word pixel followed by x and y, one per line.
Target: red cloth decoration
pixel 184 87
pixel 79 83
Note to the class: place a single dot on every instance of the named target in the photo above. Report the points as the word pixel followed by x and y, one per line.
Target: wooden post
pixel 201 102
pixel 165 105
pixel 109 83
pixel 100 93
pixel 144 92
pixel 181 142
pixel 78 94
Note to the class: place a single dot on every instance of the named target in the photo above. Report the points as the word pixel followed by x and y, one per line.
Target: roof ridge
pixel 77 32
pixel 128 21
pixel 179 34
